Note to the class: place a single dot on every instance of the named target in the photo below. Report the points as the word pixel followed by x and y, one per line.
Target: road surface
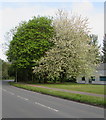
pixel 20 103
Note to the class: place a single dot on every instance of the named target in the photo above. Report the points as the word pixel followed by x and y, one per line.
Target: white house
pixel 99 76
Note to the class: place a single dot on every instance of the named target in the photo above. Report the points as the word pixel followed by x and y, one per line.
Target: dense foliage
pixel 57 49
pixel 104 49
pixel 73 54
pixel 29 42
pixel 4 69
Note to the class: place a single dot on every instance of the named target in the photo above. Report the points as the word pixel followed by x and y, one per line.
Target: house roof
pixel 102 66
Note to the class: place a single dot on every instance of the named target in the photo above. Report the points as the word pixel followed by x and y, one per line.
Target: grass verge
pixel 92 100
pixel 90 88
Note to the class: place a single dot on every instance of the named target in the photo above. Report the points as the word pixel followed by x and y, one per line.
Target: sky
pixel 12 12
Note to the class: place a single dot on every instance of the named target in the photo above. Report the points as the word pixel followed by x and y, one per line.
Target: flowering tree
pixel 104 49
pixel 72 54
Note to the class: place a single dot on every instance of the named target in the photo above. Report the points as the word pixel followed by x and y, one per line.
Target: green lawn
pixel 98 89
pixel 98 101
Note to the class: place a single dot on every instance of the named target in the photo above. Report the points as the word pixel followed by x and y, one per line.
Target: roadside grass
pixel 91 88
pixel 92 100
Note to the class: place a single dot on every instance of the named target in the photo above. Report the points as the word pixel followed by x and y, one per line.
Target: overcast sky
pixel 12 12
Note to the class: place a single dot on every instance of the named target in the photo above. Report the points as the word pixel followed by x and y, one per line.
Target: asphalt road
pixel 20 103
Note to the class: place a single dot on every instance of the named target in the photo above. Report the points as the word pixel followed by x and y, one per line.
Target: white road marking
pixel 22 97
pixel 8 92
pixel 46 106
pixel 11 93
pixel 14 94
pixel 28 99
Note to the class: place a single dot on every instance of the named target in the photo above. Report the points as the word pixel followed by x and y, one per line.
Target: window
pixel 83 78
pixel 102 78
pixel 93 78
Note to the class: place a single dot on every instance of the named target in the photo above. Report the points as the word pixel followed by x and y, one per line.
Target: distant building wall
pixel 99 76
